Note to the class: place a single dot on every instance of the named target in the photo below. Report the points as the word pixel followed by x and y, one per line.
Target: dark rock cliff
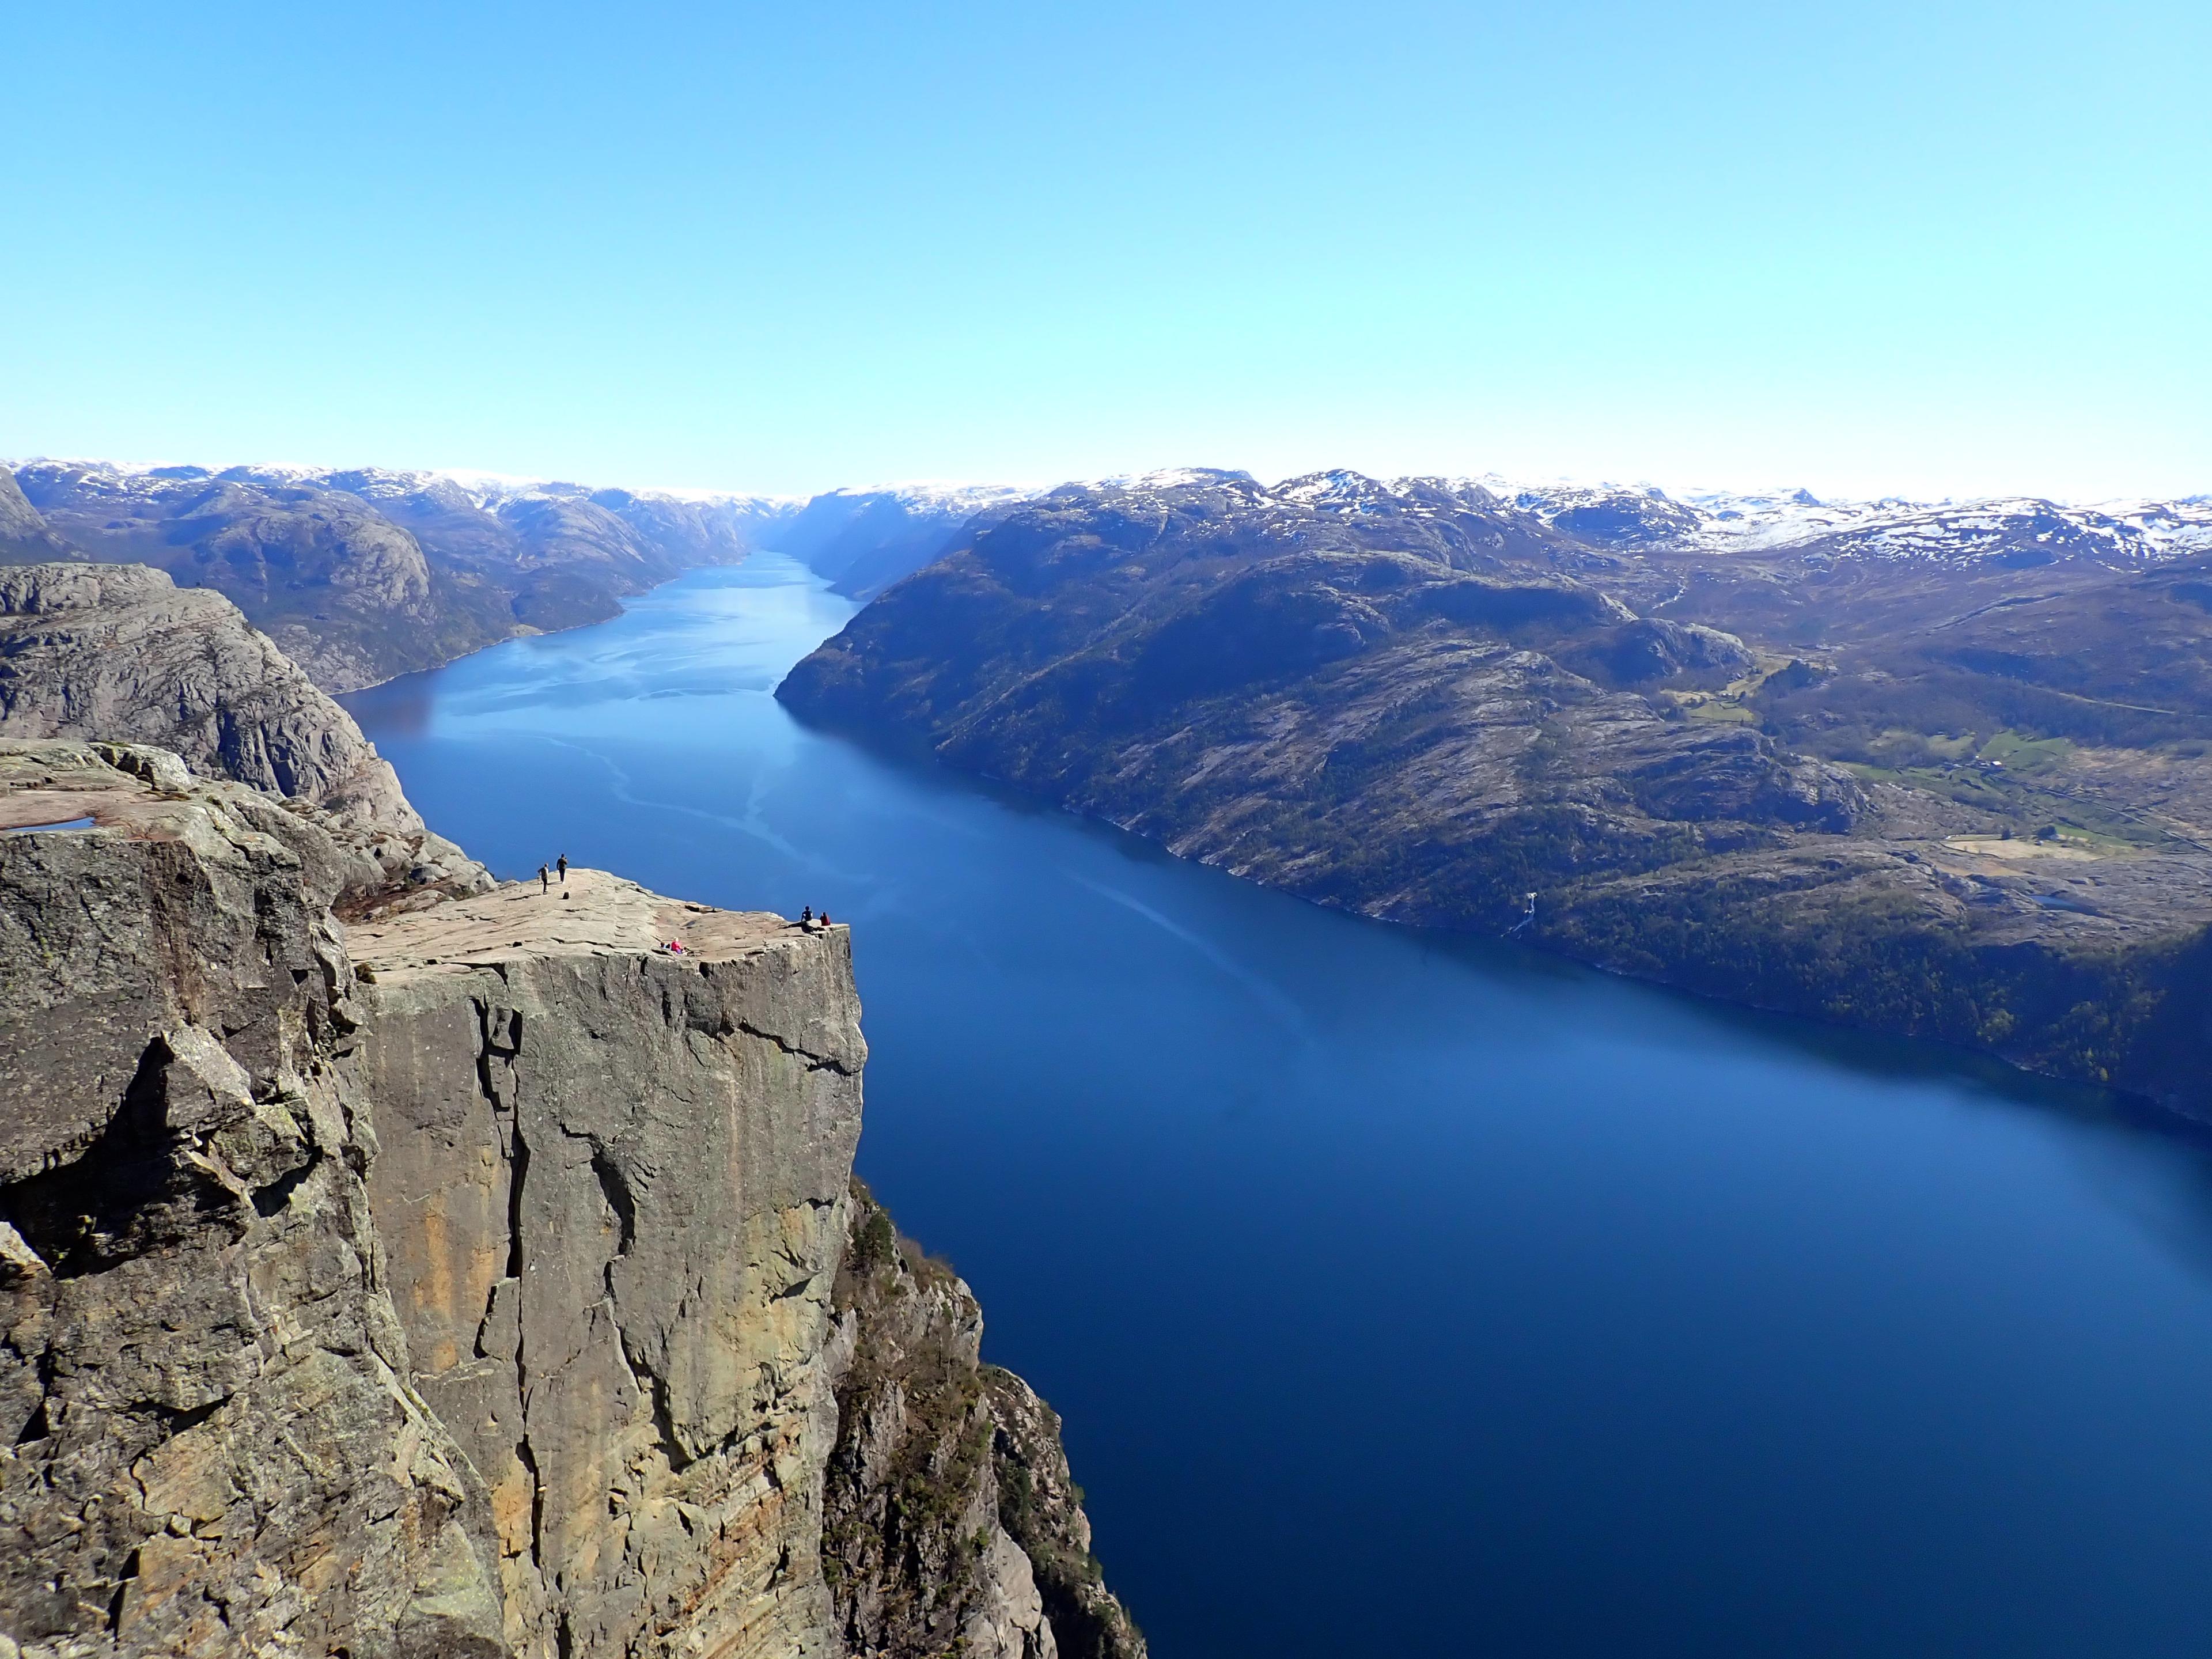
pixel 951 1523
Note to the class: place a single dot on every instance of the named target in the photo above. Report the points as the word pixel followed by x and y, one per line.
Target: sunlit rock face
pixel 612 1187
pixel 120 653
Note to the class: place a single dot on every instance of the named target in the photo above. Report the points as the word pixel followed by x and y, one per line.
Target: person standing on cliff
pixel 544 880
pixel 561 864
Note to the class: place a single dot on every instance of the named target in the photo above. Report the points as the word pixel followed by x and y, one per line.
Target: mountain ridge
pixel 1909 794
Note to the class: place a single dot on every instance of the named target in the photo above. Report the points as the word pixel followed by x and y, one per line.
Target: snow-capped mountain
pixel 2020 528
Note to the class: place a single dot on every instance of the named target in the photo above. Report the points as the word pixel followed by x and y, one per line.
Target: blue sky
pixel 1920 248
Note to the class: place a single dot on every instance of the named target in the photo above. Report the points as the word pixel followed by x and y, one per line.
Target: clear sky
pixel 1867 247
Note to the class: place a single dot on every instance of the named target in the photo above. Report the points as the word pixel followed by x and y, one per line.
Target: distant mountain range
pixel 2022 528
pixel 362 574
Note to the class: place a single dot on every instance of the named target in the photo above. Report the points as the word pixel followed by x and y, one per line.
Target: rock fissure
pixel 814 1062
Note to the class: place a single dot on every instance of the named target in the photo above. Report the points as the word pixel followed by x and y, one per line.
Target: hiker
pixel 806 916
pixel 825 918
pixel 561 863
pixel 544 880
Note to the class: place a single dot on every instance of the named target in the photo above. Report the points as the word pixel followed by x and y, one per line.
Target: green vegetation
pixel 1860 955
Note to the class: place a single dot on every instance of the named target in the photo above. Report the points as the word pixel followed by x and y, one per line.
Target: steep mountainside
pixel 121 651
pixel 478 1275
pixel 1426 703
pixel 24 534
pixel 363 574
pixel 866 540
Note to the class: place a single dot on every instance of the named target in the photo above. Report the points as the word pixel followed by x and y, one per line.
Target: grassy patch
pixel 2017 752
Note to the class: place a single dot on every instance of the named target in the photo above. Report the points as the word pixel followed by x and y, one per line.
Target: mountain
pixel 362 574
pixel 2019 530
pixel 393 1262
pixel 121 650
pixel 1965 796
pixel 24 533
pixel 866 540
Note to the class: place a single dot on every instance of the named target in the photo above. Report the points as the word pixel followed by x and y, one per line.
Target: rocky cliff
pixel 209 1442
pixel 611 1187
pixel 475 1280
pixel 121 652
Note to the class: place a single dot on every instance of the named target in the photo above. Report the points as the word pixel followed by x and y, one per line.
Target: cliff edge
pixel 476 1280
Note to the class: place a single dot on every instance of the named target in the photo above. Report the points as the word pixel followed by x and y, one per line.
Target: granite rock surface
pixel 209 1444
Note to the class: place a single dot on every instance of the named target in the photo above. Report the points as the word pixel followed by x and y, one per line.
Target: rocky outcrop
pixel 612 1191
pixel 473 1280
pixel 208 1440
pixel 953 1524
pixel 119 653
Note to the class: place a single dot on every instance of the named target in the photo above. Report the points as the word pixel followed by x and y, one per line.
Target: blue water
pixel 1413 1295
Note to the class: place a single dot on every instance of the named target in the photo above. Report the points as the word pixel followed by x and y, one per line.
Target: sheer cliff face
pixel 470 1282
pixel 611 1187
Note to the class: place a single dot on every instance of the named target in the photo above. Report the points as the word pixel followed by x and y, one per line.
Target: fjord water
pixel 1410 1295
